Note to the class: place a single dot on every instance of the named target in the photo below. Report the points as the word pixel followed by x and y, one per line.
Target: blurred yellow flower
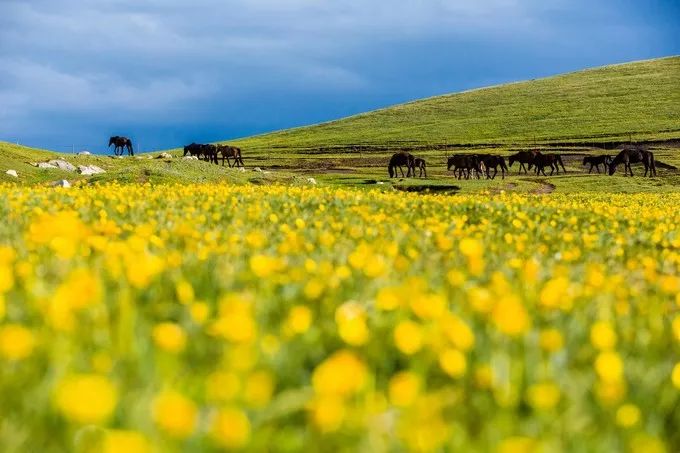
pixel 408 337
pixel 609 366
pixel 222 386
pixel 404 388
pixel 170 337
pixel 116 441
pixel 258 389
pixel 342 374
pixel 86 398
pixel 510 316
pixel 675 376
pixel 16 342
pixel 328 412
pixel 551 340
pixel 627 415
pixel 230 428
pixel 543 396
pixel 453 362
pixel 299 319
pixel 518 444
pixel 351 320
pixel 175 414
pixel 603 336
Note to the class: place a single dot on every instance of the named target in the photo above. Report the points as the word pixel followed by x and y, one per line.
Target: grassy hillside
pixel 143 169
pixel 639 100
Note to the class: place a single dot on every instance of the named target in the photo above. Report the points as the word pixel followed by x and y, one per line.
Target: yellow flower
pixel 551 340
pixel 408 337
pixel 675 376
pixel 388 298
pixel 175 414
pixel 200 311
pixel 80 290
pixel 471 247
pixel 342 374
pixel 351 320
pixel 676 327
pixel 86 398
pixel 458 332
pixel 555 293
pixel 299 319
pixel 328 412
pixel 230 428
pixel 602 336
pixel 404 388
pixel 609 366
pixel 116 441
pixel 510 316
pixel 263 266
pixel 484 377
pixel 627 415
pixel 170 337
pixel 185 292
pixel 16 342
pixel 258 389
pixel 453 362
pixel 6 278
pixel 543 396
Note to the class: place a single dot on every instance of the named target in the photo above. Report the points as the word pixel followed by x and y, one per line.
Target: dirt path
pixel 543 188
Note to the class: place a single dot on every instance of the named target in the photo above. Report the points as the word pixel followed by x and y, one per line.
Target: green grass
pixel 637 100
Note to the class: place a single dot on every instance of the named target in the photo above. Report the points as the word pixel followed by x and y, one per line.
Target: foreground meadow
pixel 205 317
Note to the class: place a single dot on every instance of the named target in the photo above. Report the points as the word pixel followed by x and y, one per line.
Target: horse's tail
pixel 130 149
pixel 503 165
pixel 390 169
pixel 559 159
pixel 239 157
pixel 652 163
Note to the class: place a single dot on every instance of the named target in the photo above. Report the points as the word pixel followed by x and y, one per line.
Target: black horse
pixel 493 161
pixel 632 156
pixel 548 160
pixel 596 161
pixel 194 149
pixel 419 164
pixel 399 159
pixel 523 157
pixel 121 143
pixel 464 165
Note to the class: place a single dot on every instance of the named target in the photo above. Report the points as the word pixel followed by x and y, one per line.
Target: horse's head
pixel 612 168
pixel 585 160
pixel 511 160
pixel 112 140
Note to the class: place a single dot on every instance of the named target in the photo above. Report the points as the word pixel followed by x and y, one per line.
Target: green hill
pixel 638 101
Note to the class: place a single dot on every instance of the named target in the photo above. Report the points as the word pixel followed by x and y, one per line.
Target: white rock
pixel 190 157
pixel 380 182
pixel 256 169
pixel 45 165
pixel 164 156
pixel 12 173
pixel 62 164
pixel 241 169
pixel 84 153
pixel 311 180
pixel 88 170
pixel 61 183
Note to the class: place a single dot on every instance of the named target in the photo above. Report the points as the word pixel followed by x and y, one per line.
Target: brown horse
pixel 632 156
pixel 523 157
pixel 121 143
pixel 596 161
pixel 492 161
pixel 464 164
pixel 228 151
pixel 399 159
pixel 548 160
pixel 419 164
pixel 194 149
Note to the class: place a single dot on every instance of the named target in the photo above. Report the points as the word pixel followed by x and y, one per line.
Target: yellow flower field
pixel 143 318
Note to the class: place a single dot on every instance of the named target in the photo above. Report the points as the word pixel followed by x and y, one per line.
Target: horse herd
pixel 478 165
pixel 211 153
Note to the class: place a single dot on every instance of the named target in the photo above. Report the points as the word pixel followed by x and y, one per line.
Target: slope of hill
pixel 638 101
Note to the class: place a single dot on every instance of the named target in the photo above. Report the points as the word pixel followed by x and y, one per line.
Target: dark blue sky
pixel 169 72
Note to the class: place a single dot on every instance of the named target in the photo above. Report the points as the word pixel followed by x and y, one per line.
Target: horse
pixel 228 151
pixel 544 160
pixel 493 161
pixel 464 162
pixel 523 157
pixel 419 164
pixel 596 161
pixel 399 159
pixel 121 143
pixel 194 149
pixel 632 156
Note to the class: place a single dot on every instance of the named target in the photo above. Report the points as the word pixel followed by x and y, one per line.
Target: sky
pixel 171 72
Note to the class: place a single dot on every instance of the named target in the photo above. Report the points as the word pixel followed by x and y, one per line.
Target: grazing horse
pixel 523 157
pixel 419 164
pixel 228 151
pixel 548 160
pixel 632 156
pixel 493 161
pixel 210 152
pixel 193 149
pixel 596 161
pixel 121 143
pixel 399 159
pixel 463 164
